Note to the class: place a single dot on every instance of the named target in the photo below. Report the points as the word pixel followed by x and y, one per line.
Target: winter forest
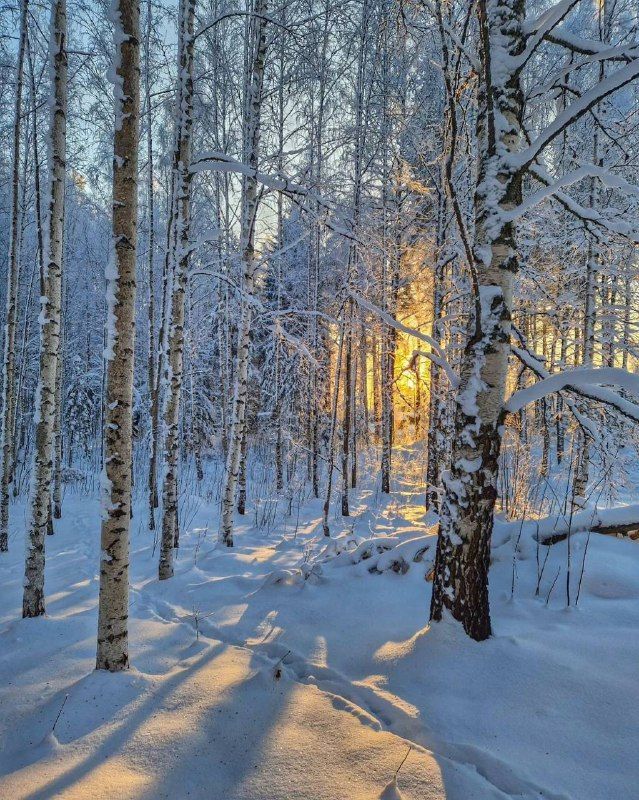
pixel 319 412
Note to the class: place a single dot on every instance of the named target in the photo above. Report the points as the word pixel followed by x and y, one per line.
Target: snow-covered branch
pixel 535 365
pixel 556 528
pixel 590 379
pixel 589 216
pixel 550 189
pixel 610 84
pixel 399 326
pixel 452 376
pixel 220 162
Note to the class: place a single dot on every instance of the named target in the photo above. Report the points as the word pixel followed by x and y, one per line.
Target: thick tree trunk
pixel 179 267
pixel 113 609
pixel 470 487
pixel 46 395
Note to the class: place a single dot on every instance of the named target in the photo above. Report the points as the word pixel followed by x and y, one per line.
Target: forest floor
pixel 281 670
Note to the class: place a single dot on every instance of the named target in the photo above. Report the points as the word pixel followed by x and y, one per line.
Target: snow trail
pixel 240 667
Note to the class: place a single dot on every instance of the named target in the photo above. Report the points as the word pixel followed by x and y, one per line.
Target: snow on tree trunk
pixel 13 274
pixel 113 608
pixel 179 267
pixel 470 486
pixel 250 202
pixel 50 302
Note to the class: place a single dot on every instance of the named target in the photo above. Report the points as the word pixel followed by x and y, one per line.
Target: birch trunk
pixel 151 376
pixel 175 339
pixel 158 391
pixel 113 608
pixel 46 395
pixel 13 275
pixel 250 202
pixel 470 487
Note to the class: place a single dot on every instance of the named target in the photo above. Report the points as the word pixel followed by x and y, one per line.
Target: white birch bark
pixel 50 302
pixel 470 486
pixel 113 607
pixel 13 274
pixel 175 339
pixel 150 192
pixel 250 201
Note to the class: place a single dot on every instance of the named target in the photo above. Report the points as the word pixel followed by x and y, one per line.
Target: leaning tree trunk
pixel 470 487
pixel 46 395
pixel 13 274
pixel 113 608
pixel 250 201
pixel 175 340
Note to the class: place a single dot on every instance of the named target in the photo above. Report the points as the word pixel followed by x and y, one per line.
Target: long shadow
pixel 214 729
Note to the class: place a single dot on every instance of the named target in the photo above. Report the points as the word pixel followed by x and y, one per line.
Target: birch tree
pixel 250 202
pixel 507 42
pixel 13 276
pixel 47 394
pixel 179 268
pixel 112 645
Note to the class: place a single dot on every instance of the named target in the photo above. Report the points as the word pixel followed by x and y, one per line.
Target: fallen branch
pixel 622 520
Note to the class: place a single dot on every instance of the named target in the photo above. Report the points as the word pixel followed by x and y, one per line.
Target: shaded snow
pixel 244 686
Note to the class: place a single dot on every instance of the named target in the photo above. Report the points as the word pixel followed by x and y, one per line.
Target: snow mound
pixel 380 554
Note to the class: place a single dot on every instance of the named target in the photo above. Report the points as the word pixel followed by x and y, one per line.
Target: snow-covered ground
pixel 281 669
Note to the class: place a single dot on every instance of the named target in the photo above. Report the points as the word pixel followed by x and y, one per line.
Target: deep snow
pixel 281 669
